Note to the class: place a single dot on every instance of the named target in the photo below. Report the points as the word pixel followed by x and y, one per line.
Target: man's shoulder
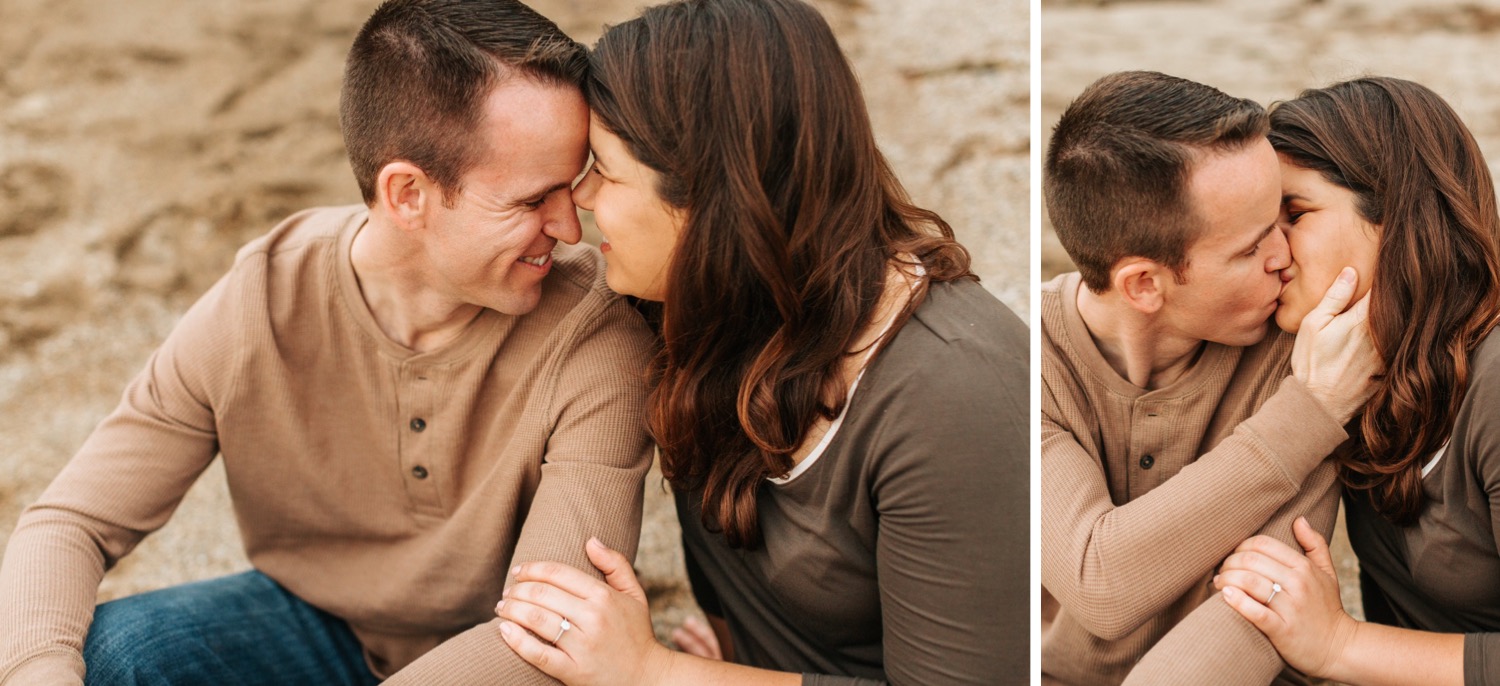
pixel 578 302
pixel 576 286
pixel 1053 292
pixel 579 269
pixel 312 227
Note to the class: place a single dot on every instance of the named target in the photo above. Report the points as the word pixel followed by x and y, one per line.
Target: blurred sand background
pixel 141 143
pixel 1270 50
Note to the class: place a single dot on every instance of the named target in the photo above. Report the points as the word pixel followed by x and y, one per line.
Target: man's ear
pixel 406 194
pixel 1142 283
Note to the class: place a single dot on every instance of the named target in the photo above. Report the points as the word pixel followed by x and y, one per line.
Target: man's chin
pixel 1242 338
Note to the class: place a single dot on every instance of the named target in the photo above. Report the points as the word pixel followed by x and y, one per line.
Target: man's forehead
pixel 1235 193
pixel 534 135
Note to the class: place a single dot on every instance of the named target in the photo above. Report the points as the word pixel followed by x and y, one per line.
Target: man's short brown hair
pixel 420 70
pixel 1116 174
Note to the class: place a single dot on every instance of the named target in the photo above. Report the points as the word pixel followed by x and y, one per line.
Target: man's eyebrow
pixel 1258 238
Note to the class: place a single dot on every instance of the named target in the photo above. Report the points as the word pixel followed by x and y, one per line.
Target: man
pixel 409 396
pixel 1173 426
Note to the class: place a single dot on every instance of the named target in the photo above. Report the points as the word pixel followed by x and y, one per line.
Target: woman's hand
pixel 608 639
pixel 1334 353
pixel 1305 619
pixel 696 637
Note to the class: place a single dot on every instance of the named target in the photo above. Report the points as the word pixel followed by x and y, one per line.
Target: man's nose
pixel 583 193
pixel 562 222
pixel 1279 252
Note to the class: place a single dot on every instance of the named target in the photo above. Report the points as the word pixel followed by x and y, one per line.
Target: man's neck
pixel 399 291
pixel 1134 343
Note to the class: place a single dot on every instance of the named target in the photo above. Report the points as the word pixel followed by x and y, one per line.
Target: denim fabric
pixel 236 631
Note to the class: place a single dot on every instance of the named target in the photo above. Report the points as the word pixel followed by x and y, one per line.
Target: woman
pixel 1380 172
pixel 841 408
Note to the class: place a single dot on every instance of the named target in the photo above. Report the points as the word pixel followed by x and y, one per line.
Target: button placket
pixel 417 440
pixel 1147 431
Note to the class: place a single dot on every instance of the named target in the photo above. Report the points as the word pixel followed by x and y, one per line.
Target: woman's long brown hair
pixel 1417 173
pixel 755 122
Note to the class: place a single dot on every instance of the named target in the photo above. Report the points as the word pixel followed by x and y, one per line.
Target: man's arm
pixel 122 484
pixel 1114 567
pixel 1214 644
pixel 592 485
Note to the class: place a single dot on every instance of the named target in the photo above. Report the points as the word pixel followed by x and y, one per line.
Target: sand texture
pixel 141 143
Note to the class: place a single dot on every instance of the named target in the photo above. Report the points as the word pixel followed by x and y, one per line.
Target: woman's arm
pixel 1306 621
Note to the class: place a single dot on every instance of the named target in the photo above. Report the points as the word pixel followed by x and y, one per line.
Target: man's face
pixel 493 246
pixel 1232 281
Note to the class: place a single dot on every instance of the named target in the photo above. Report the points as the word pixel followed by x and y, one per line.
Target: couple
pixel 437 401
pixel 1186 497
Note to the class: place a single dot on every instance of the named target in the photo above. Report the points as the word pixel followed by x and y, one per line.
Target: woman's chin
pixel 625 286
pixel 1288 319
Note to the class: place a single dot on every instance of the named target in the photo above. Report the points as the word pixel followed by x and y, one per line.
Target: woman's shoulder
pixel 963 358
pixel 962 315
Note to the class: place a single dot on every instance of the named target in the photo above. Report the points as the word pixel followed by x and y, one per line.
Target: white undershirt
pixel 1435 457
pixel 838 421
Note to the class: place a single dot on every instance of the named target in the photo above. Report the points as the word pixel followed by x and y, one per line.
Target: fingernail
pixel 516 569
pixel 499 605
pixel 1347 276
pixel 595 542
pixel 1215 580
pixel 1229 592
pixel 507 629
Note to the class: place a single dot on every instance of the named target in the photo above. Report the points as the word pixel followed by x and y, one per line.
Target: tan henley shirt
pixel 390 488
pixel 1144 492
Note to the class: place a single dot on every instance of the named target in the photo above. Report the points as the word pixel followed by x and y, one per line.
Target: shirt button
pixel 1147 461
pixel 419 472
pixel 418 424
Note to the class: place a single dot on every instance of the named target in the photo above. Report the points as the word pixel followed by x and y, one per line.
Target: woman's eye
pixel 1292 217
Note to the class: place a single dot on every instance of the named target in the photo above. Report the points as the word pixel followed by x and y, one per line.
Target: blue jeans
pixel 238 630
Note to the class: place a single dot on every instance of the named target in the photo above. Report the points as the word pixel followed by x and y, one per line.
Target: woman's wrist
pixel 658 666
pixel 1343 650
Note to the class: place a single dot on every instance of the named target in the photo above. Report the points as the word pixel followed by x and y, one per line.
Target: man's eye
pixel 535 204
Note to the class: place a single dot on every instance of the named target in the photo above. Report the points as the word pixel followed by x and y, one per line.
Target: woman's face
pixel 1326 233
pixel 640 229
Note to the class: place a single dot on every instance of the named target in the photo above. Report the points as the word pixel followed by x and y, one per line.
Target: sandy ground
pixel 1269 50
pixel 142 142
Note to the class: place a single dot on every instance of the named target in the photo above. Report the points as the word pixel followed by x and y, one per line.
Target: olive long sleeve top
pixel 900 555
pixel 1443 572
